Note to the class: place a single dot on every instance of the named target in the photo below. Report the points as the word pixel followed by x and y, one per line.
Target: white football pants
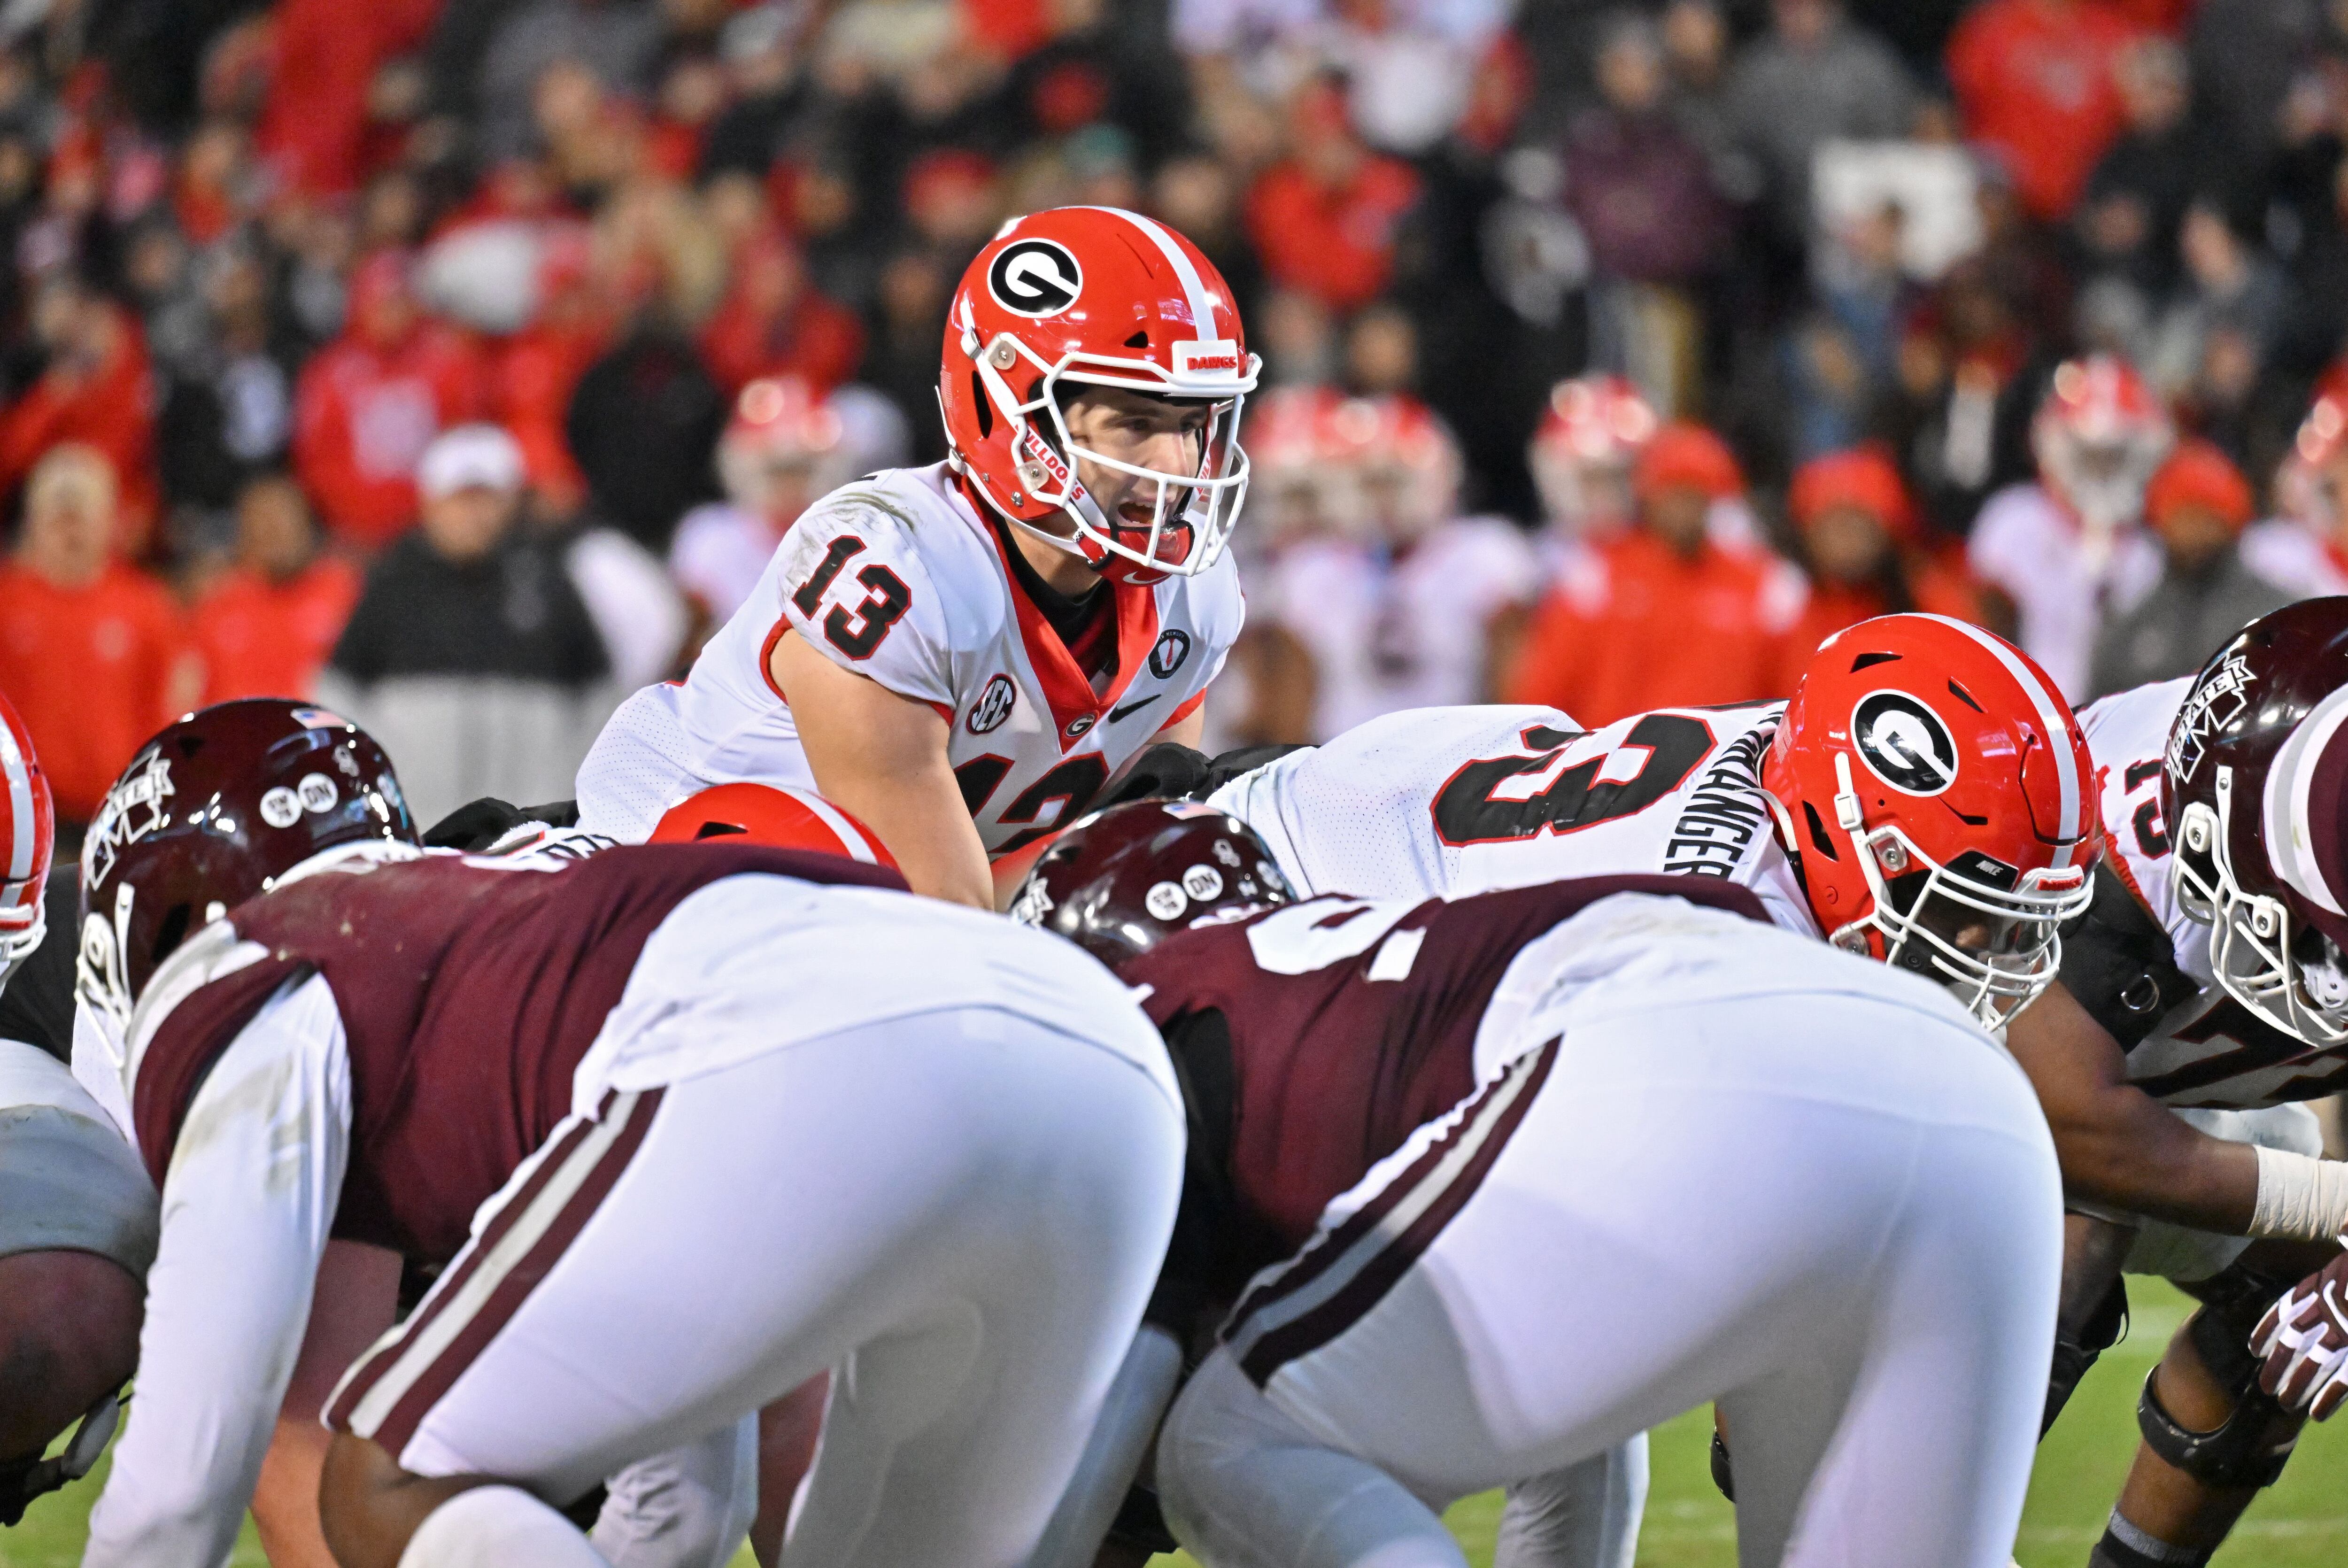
pixel 961 1214
pixel 1835 1213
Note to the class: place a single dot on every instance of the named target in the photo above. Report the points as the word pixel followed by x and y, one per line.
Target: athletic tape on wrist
pixel 2300 1198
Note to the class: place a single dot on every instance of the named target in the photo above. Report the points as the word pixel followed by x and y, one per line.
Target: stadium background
pixel 257 258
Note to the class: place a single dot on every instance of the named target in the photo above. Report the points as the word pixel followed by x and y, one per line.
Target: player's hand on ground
pixel 2305 1338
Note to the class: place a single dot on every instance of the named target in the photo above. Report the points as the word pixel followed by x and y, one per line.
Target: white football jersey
pixel 898 577
pixel 2127 733
pixel 1386 634
pixel 720 554
pixel 1441 801
pixel 2028 547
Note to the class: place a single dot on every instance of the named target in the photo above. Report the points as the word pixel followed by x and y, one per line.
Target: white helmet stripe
pixel 2052 712
pixel 2290 842
pixel 1202 304
pixel 858 847
pixel 21 849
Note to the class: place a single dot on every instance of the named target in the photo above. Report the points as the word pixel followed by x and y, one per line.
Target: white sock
pixel 498 1527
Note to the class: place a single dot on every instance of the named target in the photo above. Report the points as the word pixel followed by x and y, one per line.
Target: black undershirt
pixel 1076 617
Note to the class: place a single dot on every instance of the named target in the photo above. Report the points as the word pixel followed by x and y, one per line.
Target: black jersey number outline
pixel 1073 784
pixel 857 632
pixel 1466 811
pixel 2151 832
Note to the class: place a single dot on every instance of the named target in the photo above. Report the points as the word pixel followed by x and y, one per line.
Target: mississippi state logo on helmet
pixel 1936 793
pixel 1120 880
pixel 2098 436
pixel 2254 787
pixel 27 838
pixel 1096 296
pixel 213 811
pixel 772 814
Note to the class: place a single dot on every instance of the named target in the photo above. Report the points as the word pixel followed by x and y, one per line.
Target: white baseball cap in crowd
pixel 467 456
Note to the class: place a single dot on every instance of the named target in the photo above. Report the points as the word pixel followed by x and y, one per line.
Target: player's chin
pixel 1174 540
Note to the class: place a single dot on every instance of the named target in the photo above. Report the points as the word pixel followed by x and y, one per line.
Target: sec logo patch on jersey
pixel 1036 277
pixel 994 705
pixel 1904 743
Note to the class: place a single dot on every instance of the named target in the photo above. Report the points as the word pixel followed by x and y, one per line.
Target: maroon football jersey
pixel 1312 1039
pixel 468 991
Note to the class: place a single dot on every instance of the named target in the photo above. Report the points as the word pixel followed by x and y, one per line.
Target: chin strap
pixel 22 1480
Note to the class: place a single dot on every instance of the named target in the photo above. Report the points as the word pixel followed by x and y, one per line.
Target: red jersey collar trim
pixel 1065 687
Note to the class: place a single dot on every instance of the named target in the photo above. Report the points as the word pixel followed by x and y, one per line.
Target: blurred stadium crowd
pixel 461 363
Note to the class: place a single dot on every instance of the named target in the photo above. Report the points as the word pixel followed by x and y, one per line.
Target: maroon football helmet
pixel 212 812
pixel 1121 880
pixel 2255 791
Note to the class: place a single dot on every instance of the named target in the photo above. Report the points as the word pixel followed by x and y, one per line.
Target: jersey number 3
pixel 1478 806
pixel 857 631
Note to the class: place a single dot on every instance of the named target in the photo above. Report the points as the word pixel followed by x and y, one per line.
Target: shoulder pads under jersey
pixel 2119 963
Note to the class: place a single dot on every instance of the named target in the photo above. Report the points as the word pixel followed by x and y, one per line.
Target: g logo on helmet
pixel 1904 743
pixel 1034 277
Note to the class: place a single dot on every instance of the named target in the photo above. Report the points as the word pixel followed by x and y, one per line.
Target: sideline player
pixel 582 1064
pixel 1766 1173
pixel 964 655
pixel 77 1218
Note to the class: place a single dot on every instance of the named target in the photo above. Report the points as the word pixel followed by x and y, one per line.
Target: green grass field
pixel 2301 1522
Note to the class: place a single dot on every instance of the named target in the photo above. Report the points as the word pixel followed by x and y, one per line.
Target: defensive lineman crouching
pixel 583 1082
pixel 1563 1161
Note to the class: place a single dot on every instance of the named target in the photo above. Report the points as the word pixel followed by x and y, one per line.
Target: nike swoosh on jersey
pixel 1135 707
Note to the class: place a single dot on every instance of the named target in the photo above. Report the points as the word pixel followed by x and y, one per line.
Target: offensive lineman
pixel 1926 799
pixel 628 1043
pixel 1610 1152
pixel 962 656
pixel 77 1219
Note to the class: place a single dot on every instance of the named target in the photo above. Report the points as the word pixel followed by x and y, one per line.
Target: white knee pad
pixel 1244 1486
pixel 498 1527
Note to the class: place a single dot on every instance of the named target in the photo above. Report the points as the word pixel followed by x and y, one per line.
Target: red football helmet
pixel 28 829
pixel 771 814
pixel 1104 297
pixel 2310 481
pixel 1405 464
pixel 1294 464
pixel 213 811
pixel 1937 796
pixel 1583 451
pixel 2099 437
pixel 784 447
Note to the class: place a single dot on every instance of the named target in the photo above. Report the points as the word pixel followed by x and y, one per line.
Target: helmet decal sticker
pixel 133 809
pixel 1167 901
pixel 1036 277
pixel 1904 743
pixel 279 808
pixel 2216 701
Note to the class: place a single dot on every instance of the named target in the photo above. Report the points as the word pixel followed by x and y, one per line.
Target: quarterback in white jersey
pixel 898 578
pixel 964 656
